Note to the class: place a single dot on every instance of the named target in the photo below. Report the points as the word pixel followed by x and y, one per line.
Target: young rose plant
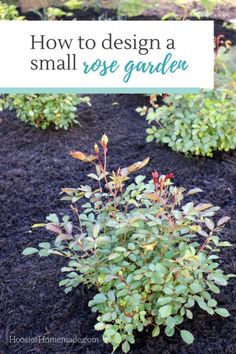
pixel 199 124
pixel 150 256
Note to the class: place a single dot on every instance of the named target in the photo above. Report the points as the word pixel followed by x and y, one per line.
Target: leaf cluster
pixel 9 12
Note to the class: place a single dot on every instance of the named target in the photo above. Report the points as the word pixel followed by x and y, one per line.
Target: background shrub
pixel 44 110
pixel 9 12
pixel 198 124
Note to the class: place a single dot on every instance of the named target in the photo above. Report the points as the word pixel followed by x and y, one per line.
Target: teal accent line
pixel 92 90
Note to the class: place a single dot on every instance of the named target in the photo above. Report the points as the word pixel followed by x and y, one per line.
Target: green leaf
pixel 111 295
pixel 125 347
pixel 213 287
pixel 96 229
pixel 222 312
pixel 117 338
pixel 45 245
pixel 225 244
pixel 122 292
pixel 107 317
pixel 194 191
pixel 37 225
pixel 202 304
pixel 210 224
pixel 189 314
pixel 139 179
pixel 131 246
pixel 180 288
pixel 92 175
pixel 168 291
pixel 149 138
pixel 164 300
pixel 30 250
pixel 195 287
pixel 211 302
pixel 109 332
pixel 165 311
pixel 99 298
pixel 129 328
pixel 156 331
pixel 218 278
pixel 67 290
pixel 44 252
pixel 113 256
pixel 170 322
pixel 99 326
pixel 64 282
pixel 53 218
pixel 187 336
pixel 223 220
pixel 169 331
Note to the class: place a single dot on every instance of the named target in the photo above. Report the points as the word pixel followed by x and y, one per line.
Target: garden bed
pixel 103 14
pixel 35 165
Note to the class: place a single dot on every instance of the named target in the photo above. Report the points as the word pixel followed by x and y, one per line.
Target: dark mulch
pixel 104 14
pixel 34 166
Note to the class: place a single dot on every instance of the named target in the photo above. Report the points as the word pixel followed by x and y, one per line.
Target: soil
pixel 104 14
pixel 35 165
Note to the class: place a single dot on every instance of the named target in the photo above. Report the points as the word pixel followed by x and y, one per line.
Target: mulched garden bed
pixel 103 14
pixel 34 166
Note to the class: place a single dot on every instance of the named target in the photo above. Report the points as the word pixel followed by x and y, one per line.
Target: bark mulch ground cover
pixel 34 166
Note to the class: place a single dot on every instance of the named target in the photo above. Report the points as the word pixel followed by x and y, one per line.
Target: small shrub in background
pixel 74 4
pixel 189 9
pixel 132 8
pixel 198 124
pixel 44 110
pixel 225 67
pixel 9 12
pixel 123 8
pixel 150 256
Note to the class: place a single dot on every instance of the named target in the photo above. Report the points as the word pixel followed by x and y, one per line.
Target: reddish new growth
pixel 169 176
pixel 220 42
pixel 155 176
pixel 160 184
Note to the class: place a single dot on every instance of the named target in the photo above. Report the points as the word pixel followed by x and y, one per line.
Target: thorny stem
pixel 103 169
pixel 206 241
pixel 75 210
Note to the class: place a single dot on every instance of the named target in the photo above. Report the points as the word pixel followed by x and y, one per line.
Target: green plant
pixel 74 5
pixel 123 8
pixel 187 10
pixel 225 67
pixel 44 110
pixel 9 12
pixel 55 13
pixel 140 247
pixel 199 124
pixel 51 13
pixel 132 8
